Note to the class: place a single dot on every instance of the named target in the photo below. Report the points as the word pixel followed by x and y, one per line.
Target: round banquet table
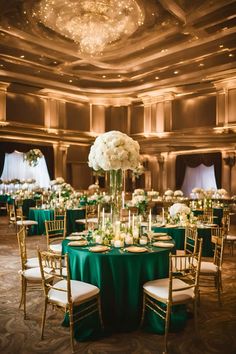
pixel 120 276
pixel 41 215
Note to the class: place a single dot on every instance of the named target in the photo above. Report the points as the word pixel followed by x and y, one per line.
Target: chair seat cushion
pixel 231 238
pixel 56 248
pixel 208 267
pixel 80 291
pixel 26 222
pixel 159 289
pixel 32 263
pixel 33 274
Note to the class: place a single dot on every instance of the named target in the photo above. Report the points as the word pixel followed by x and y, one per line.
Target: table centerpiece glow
pixel 115 152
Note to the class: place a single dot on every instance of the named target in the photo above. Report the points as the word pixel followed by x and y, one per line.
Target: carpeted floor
pixel 217 325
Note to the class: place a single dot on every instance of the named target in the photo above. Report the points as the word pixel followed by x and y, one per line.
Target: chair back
pixel 22 247
pixel 55 230
pixel 216 232
pixel 208 216
pixel 12 213
pixel 219 251
pixel 190 240
pixel 186 268
pixel 50 266
pixel 19 213
pixel 59 214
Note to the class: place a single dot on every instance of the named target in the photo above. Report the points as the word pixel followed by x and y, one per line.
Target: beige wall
pixel 162 115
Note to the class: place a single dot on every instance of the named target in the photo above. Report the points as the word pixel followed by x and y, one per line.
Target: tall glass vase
pixel 116 179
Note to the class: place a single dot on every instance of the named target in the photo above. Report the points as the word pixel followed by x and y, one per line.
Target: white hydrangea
pixel 169 193
pixel 178 193
pixel 179 209
pixel 113 151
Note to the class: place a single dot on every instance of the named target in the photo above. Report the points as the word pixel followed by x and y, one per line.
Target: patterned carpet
pixel 217 325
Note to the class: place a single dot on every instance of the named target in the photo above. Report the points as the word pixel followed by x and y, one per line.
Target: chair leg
pixel 167 324
pixel 218 288
pixel 71 318
pixel 143 310
pixel 195 309
pixel 44 317
pixel 100 311
pixel 22 291
pixel 24 297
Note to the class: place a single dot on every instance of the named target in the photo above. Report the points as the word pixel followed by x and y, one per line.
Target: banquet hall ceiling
pixel 180 46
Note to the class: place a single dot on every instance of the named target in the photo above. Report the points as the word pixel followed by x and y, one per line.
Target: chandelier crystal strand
pixel 93 24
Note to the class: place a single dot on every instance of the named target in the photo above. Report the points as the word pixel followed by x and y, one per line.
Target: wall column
pixel 3 98
pixel 229 162
pixel 60 159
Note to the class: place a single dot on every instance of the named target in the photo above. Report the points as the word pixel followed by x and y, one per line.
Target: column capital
pixel 4 86
pixel 226 84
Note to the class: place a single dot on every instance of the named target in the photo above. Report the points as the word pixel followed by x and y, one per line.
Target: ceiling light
pixel 22 56
pixel 201 64
pixel 231 55
pixel 104 76
pixel 176 72
pixel 70 81
pixel 93 24
pixel 156 77
pixel 221 46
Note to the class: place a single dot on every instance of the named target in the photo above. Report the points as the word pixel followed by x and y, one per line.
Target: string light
pixel 93 24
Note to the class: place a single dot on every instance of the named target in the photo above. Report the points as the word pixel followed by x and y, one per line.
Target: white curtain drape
pixel 201 176
pixel 16 167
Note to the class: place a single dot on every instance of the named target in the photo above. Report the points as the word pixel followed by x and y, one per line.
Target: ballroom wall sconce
pixel 230 160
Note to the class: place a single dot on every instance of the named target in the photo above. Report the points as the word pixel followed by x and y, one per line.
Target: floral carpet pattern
pixel 217 325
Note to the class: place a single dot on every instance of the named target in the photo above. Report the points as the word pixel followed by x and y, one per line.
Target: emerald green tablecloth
pixel 178 235
pixel 207 245
pixel 217 212
pixel 41 215
pixel 72 215
pixel 5 198
pixel 27 204
pixel 120 277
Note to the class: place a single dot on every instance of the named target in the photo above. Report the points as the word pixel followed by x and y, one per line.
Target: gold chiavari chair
pixel 67 293
pixel 55 233
pixel 92 216
pixel 211 272
pixel 180 288
pixel 190 241
pixel 230 239
pixel 30 276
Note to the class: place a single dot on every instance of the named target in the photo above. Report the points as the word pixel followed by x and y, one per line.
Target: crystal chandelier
pixel 93 24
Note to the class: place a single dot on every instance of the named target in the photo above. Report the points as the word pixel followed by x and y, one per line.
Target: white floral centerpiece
pixel 178 193
pixel 33 156
pixel 139 191
pixel 222 193
pixel 179 212
pixel 113 151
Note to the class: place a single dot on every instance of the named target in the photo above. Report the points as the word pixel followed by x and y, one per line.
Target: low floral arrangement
pixel 153 194
pixel 139 191
pixel 140 202
pixel 33 156
pixel 169 193
pixel 113 151
pixel 178 193
pixel 57 181
pixel 178 209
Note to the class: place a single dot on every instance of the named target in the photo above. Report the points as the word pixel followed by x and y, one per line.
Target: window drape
pixel 9 147
pixel 194 160
pixel 16 167
pixel 201 176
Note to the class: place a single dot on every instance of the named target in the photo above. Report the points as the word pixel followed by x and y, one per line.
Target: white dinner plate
pixel 135 249
pixel 163 244
pixel 78 243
